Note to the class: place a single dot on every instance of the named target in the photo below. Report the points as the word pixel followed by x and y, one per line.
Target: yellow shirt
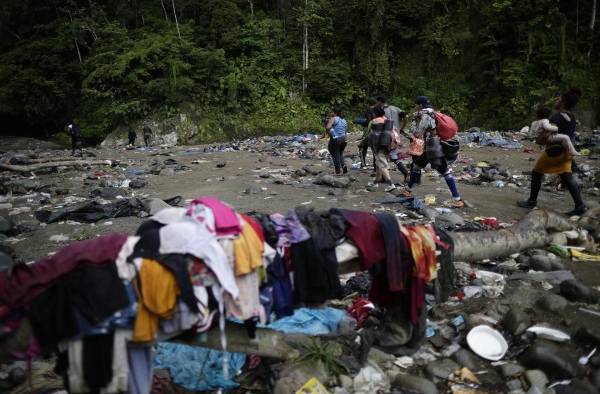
pixel 157 299
pixel 248 250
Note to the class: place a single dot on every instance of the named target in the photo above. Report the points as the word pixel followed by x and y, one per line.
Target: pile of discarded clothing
pixel 101 304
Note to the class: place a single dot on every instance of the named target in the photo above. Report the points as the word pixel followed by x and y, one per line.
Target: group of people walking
pixel 384 124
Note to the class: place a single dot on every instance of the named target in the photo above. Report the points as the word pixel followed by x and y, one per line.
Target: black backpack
pixel 382 134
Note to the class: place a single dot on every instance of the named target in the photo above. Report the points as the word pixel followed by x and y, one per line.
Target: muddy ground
pixel 268 171
pixel 274 174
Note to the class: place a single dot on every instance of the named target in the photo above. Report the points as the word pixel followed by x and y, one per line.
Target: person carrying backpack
pixel 435 128
pixel 75 134
pixel 381 139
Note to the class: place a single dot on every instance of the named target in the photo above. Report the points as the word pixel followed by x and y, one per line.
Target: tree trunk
pixel 305 48
pixel 40 166
pixel 592 25
pixel 162 3
pixel 175 15
pixel 75 39
pixel 533 231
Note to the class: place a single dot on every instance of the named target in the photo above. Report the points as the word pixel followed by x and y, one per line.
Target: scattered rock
pixel 6 262
pixel 167 172
pixel 441 369
pixel 577 386
pixel 523 260
pixel 573 290
pixel 540 262
pixel 516 321
pixel 509 370
pixel 5 206
pixel 253 189
pixel 18 211
pixel 415 383
pixel 537 378
pixel 300 172
pixel 345 381
pixel 137 183
pixel 5 225
pixel 559 239
pixel 59 238
pixel 552 303
pixel 108 193
pixel 554 361
pixel 333 181
pixel 221 164
pixel 467 358
pixel 596 378
pixel 449 219
pixel 514 385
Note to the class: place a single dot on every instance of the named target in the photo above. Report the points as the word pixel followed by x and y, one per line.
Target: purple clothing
pixel 26 281
pixel 289 229
pixel 226 220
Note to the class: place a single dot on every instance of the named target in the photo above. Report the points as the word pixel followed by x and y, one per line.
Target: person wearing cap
pixel 424 126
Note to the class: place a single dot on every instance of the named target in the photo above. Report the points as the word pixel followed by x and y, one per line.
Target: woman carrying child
pixel 556 158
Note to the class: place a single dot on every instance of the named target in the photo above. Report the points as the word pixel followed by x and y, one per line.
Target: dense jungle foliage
pixel 246 67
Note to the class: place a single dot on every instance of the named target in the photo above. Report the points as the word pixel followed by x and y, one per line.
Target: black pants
pixel 422 161
pixel 147 140
pixel 73 143
pixel 336 149
pixel 131 140
pixel 567 180
pixel 363 156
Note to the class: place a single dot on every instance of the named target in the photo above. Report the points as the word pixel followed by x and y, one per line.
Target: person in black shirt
pixel 75 134
pixel 131 136
pixel 565 120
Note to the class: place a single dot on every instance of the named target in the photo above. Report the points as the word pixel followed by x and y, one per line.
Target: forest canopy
pixel 249 67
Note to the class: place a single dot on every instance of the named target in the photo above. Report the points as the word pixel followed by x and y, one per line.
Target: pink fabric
pixel 226 220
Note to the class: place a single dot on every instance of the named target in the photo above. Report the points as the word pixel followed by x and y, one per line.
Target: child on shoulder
pixel 546 133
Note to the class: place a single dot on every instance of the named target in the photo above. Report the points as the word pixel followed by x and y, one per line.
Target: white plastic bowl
pixel 487 343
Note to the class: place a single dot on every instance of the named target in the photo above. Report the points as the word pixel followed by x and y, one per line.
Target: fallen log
pixel 40 166
pixel 533 231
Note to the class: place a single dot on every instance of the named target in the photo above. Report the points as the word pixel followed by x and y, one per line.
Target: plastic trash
pixel 313 386
pixel 371 379
pixel 487 343
pixel 549 333
pixel 311 321
pixel 197 368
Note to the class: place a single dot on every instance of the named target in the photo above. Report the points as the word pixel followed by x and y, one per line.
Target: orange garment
pixel 422 247
pixel 157 292
pixel 248 250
